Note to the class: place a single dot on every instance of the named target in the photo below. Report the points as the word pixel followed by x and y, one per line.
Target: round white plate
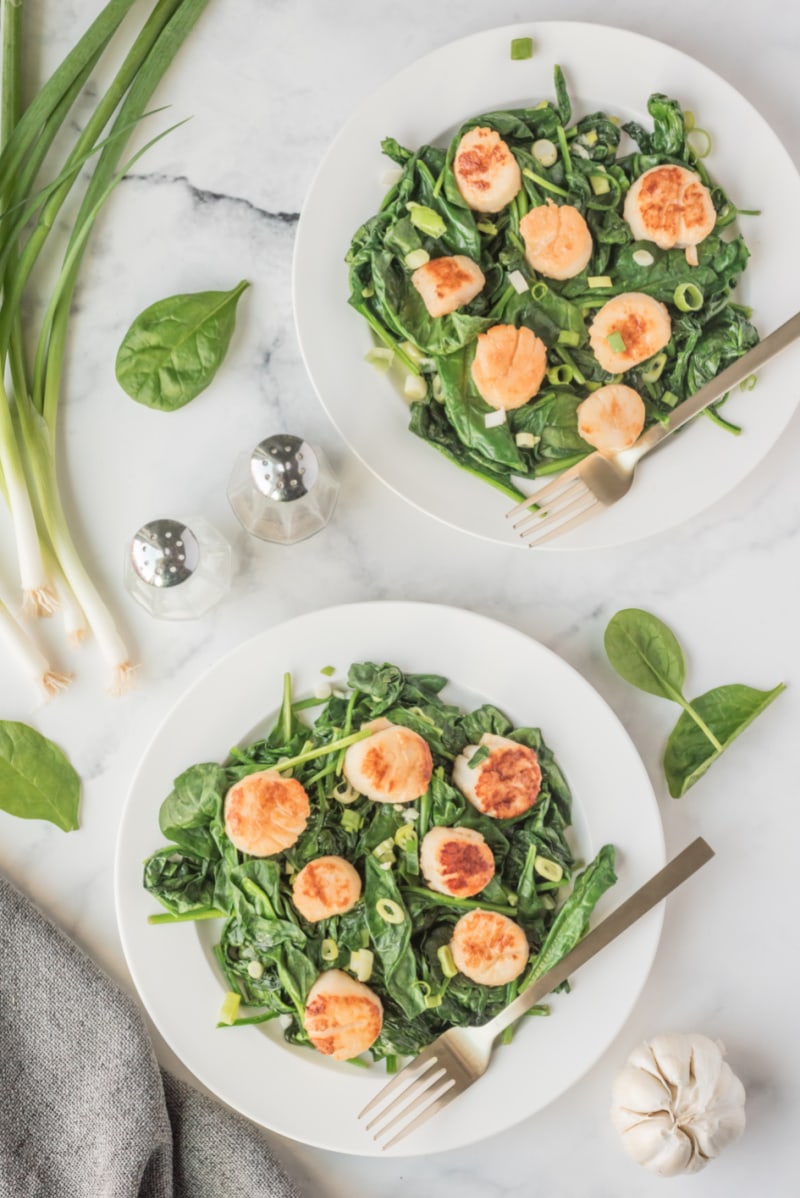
pixel 611 69
pixel 293 1090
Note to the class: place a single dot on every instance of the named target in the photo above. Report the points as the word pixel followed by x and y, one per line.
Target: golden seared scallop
pixel 343 1017
pixel 558 243
pixel 326 886
pixel 509 365
pixel 671 206
pixel 456 861
pixel 265 813
pixel 611 418
pixel 629 329
pixel 448 283
pixel 504 784
pixel 393 765
pixel 489 948
pixel 486 172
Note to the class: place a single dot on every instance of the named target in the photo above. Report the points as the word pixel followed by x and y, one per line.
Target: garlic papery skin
pixel 677 1103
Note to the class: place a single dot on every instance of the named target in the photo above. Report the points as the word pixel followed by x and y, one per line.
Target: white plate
pixel 606 68
pixel 292 1090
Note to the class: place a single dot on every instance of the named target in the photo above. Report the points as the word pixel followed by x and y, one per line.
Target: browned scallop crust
pixel 660 203
pixel 343 1025
pixel 326 886
pixel 509 781
pixel 465 867
pixel 489 948
pixel 395 765
pixel 265 813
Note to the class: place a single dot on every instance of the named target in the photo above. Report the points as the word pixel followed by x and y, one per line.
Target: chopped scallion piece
pixel 490 229
pixel 526 440
pixel 415 387
pixel 688 297
pixel 361 962
pixel 521 47
pixel 642 257
pixel 559 376
pixel 230 1008
pixel 569 337
pixel 329 950
pixel 669 398
pixel 749 383
pixel 600 184
pixel 329 671
pixel 447 962
pixel 367 292
pixel 385 850
pixel 416 258
pixel 405 836
pixel 381 359
pixel 518 282
pixel 652 372
pixel 255 970
pixel 616 342
pixel 544 151
pixel 599 281
pixel 495 419
pixel 539 290
pixel 426 219
pixel 548 869
pixel 390 911
pixel 351 821
pixel 589 138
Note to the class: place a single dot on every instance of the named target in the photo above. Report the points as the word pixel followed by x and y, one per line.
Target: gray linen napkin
pixel 84 1110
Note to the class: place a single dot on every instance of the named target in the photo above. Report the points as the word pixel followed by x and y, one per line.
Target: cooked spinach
pixel 271 956
pixel 451 417
pixel 36 779
pixel 646 653
pixel 174 348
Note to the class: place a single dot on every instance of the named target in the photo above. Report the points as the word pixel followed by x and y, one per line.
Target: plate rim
pixel 580 27
pixel 388 608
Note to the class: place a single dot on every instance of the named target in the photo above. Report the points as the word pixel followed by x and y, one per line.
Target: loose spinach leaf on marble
pixel 727 711
pixel 646 653
pixel 37 780
pixel 174 348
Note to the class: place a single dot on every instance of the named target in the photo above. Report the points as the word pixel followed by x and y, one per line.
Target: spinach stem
pixel 323 750
pixel 701 724
pixel 187 916
pixel 446 900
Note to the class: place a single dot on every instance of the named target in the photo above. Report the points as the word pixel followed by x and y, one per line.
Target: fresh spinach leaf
pixel 647 654
pixel 727 711
pixel 174 348
pixel 37 780
pixel 642 649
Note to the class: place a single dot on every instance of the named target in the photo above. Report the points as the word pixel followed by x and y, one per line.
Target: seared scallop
pixel 456 861
pixel 265 813
pixel 611 418
pixel 558 243
pixel 343 1017
pixel 448 283
pixel 628 330
pixel 393 765
pixel 486 172
pixel 509 365
pixel 489 948
pixel 504 784
pixel 671 206
pixel 326 886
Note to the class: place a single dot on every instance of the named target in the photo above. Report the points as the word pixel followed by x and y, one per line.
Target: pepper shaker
pixel 284 491
pixel 178 569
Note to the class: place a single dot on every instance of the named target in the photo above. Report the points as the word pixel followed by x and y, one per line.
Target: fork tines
pixel 421 1089
pixel 555 509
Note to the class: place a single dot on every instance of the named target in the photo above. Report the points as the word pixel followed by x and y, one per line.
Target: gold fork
pixel 460 1056
pixel 600 480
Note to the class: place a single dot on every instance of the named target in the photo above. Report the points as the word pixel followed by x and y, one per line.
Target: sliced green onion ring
pixel 390 911
pixel 560 376
pixel 426 219
pixel 688 297
pixel 699 142
pixel 749 383
pixel 329 950
pixel 447 961
pixel 652 373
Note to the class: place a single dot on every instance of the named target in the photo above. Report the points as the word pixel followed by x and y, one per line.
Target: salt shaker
pixel 284 491
pixel 178 569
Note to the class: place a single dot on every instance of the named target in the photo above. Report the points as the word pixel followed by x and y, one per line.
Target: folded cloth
pixel 85 1111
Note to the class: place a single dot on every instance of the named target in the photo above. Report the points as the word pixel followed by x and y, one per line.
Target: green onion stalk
pixel 51 571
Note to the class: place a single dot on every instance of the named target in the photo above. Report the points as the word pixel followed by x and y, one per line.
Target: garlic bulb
pixel 677 1103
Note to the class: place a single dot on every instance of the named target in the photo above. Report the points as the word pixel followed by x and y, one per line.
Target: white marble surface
pixel 269 83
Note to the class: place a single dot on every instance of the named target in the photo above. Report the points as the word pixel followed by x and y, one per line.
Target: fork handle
pixel 736 373
pixel 639 903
